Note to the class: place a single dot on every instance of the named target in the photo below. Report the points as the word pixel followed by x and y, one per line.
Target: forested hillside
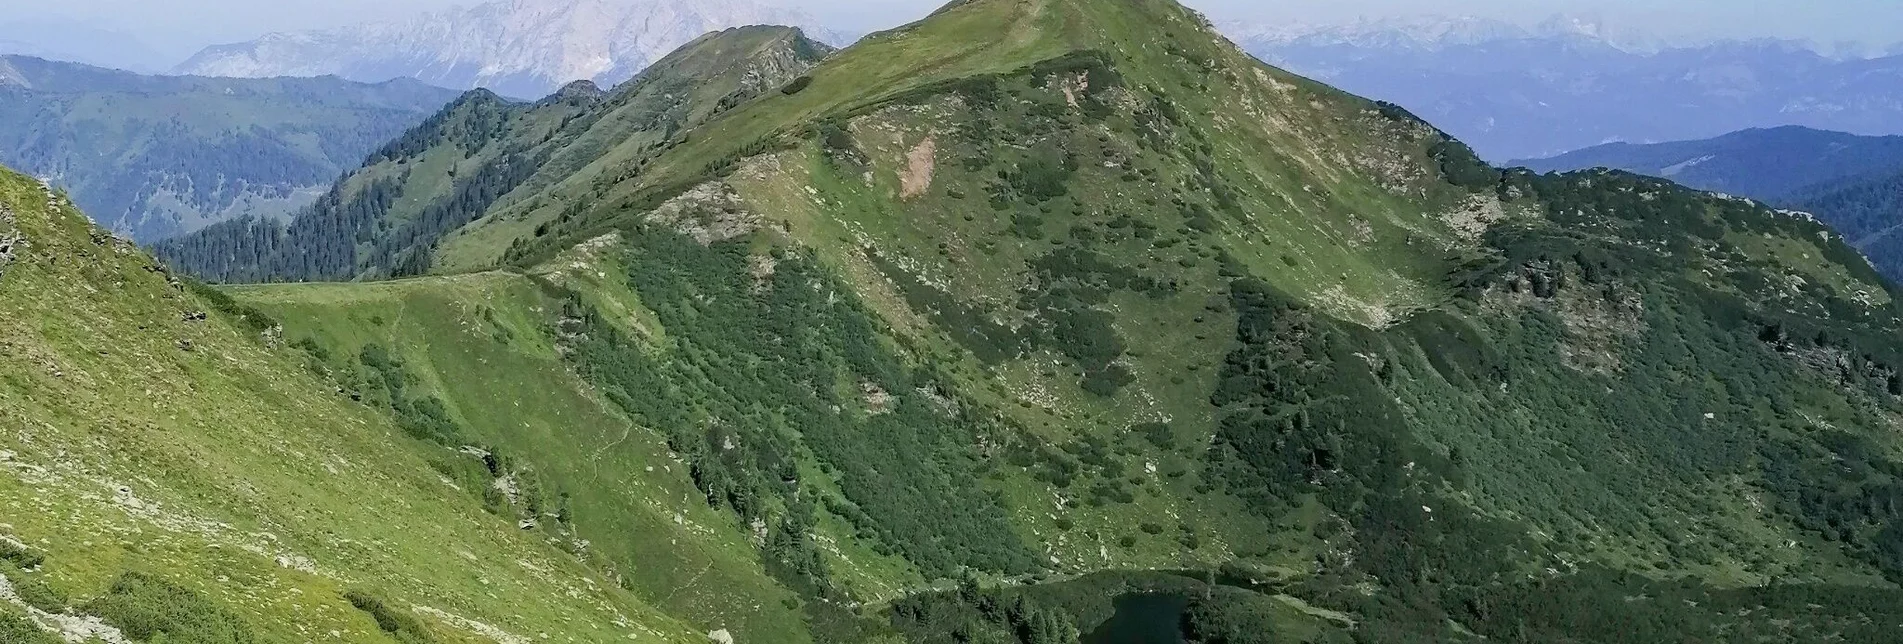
pixel 152 157
pixel 1053 321
pixel 1868 210
pixel 1849 182
pixel 481 154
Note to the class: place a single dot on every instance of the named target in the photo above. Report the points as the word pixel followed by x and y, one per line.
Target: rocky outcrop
pixel 711 212
pixel 12 243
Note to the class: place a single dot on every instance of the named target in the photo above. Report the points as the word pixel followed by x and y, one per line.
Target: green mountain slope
pixel 481 155
pixel 1060 320
pixel 481 345
pixel 169 471
pixel 153 157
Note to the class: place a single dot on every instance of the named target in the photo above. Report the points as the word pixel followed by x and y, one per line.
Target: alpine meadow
pixel 1033 321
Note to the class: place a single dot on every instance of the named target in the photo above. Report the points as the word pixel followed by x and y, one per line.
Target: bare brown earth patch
pixel 920 163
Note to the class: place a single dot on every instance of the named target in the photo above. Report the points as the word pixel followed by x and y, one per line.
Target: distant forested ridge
pixel 1867 210
pixel 153 157
pixel 386 218
pixel 1853 183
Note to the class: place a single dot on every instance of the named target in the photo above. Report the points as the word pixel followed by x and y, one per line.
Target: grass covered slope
pixel 167 471
pixel 1234 140
pixel 484 347
pixel 154 157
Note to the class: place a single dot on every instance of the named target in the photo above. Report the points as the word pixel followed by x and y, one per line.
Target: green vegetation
pixel 19 630
pixel 760 373
pixel 33 590
pixel 534 442
pixel 1115 607
pixel 20 556
pixel 149 608
pixel 1037 321
pixel 1849 182
pixel 484 158
pixel 154 157
pixel 402 626
pixel 168 470
pixel 383 220
pixel 1865 210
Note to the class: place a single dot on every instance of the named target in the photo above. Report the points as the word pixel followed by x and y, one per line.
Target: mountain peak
pixel 581 90
pixel 1149 61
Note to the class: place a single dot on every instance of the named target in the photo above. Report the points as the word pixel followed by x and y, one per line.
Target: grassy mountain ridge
pixel 169 469
pixel 1041 319
pixel 479 154
pixel 155 157
pixel 1335 138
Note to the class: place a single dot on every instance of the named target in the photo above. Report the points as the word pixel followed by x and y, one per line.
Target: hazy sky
pixel 184 25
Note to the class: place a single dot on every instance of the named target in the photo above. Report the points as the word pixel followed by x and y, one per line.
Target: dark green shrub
pixel 20 556
pixel 398 623
pixel 146 607
pixel 34 591
pixel 1157 434
pixel 251 318
pixel 17 630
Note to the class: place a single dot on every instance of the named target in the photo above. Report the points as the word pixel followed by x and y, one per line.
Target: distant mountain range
pixel 78 42
pixel 156 156
pixel 1854 183
pixel 1518 92
pixel 1513 91
pixel 519 48
pixel 1432 32
pixel 1768 164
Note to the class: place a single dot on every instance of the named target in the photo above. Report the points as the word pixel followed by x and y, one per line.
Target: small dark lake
pixel 1143 618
